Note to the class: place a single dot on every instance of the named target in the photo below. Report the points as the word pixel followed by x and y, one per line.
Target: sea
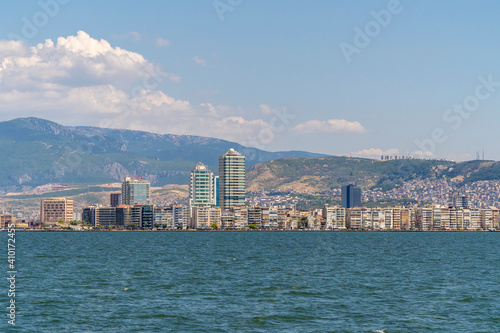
pixel 253 281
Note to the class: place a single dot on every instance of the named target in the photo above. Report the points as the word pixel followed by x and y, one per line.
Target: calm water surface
pixel 255 282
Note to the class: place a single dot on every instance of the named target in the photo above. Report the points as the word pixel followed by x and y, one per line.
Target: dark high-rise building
pixel 351 196
pixel 115 199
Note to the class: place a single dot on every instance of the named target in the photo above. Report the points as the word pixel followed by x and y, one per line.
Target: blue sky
pixel 271 74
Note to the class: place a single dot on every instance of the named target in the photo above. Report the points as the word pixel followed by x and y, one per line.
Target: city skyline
pixel 357 73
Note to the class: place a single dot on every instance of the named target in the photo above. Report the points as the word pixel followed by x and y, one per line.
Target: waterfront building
pixel 164 217
pixel 181 216
pixel 354 218
pixel 135 190
pixel 255 216
pixel 55 210
pixel 227 219
pixel 334 217
pixel 105 216
pixel 139 215
pixel 147 216
pixel 265 218
pixel 205 217
pixel 231 179
pixel 282 218
pixel 351 196
pixel 98 215
pixel 240 217
pixel 6 220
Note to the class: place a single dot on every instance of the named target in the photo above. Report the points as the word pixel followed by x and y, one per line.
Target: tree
pixel 132 226
pixel 252 226
pixel 157 225
pixel 60 222
pixel 303 222
pixel 214 226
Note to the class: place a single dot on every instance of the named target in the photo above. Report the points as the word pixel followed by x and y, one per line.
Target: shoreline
pixel 236 230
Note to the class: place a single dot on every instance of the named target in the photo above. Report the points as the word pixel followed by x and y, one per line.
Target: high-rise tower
pixel 231 179
pixel 351 196
pixel 201 187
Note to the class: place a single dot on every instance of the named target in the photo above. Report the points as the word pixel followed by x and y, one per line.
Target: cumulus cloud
pixel 162 42
pixel 329 126
pixel 80 80
pixel 376 152
pixel 199 61
pixel 72 61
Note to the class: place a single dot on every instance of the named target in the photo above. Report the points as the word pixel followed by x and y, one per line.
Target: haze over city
pixel 365 79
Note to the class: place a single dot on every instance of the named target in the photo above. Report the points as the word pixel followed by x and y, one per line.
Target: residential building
pixel 181 216
pixel 164 217
pixel 6 220
pixel 55 210
pixel 231 179
pixel 201 187
pixel 205 217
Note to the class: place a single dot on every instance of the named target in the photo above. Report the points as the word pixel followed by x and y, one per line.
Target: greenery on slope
pixel 326 173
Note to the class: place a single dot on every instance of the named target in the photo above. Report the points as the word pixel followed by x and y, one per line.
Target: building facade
pixel 115 199
pixel 351 196
pixel 55 210
pixel 201 187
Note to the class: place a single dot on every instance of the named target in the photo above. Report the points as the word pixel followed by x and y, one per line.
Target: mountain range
pixel 35 151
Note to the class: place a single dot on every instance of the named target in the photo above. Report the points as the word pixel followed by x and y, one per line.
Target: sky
pixel 359 78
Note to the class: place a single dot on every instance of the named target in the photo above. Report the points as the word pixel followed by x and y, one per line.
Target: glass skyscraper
pixel 231 179
pixel 351 196
pixel 135 190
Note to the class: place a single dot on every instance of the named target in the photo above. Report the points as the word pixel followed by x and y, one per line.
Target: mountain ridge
pixel 326 173
pixel 37 151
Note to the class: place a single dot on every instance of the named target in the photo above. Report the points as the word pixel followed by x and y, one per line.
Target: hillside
pixel 36 152
pixel 83 195
pixel 325 173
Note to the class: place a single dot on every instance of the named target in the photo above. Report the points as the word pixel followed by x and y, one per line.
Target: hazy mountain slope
pixel 35 151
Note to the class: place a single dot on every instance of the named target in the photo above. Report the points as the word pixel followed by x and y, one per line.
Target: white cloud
pixel 79 80
pixel 330 126
pixel 199 61
pixel 376 152
pixel 162 42
pixel 73 61
pixel 423 154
